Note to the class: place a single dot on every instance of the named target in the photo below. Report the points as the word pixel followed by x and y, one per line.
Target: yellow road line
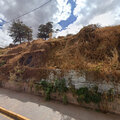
pixel 6 116
pixel 12 114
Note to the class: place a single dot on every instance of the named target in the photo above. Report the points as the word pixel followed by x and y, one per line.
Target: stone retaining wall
pixel 79 79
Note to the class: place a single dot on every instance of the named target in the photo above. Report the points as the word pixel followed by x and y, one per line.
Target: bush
pixel 110 95
pixel 65 100
pixel 48 88
pixel 60 86
pixel 86 95
pixel 83 94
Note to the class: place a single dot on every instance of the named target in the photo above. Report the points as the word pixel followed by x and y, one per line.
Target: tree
pixel 20 32
pixel 28 33
pixel 45 30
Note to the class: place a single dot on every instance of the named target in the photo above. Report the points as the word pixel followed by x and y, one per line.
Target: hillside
pixel 92 49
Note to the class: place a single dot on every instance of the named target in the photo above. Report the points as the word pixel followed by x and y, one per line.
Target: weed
pixel 47 88
pixel 60 86
pixel 17 75
pixel 37 87
pixel 2 63
pixel 80 98
pixel 86 95
pixel 19 70
pixel 13 77
pixel 48 93
pixel 64 99
pixel 110 95
pixel 31 83
pixel 96 98
pixel 83 94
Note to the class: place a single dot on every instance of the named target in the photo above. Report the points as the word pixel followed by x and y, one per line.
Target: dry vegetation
pixel 92 49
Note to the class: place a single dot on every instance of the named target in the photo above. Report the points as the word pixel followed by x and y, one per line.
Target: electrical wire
pixel 29 12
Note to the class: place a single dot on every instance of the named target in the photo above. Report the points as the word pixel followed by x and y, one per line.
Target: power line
pixel 29 12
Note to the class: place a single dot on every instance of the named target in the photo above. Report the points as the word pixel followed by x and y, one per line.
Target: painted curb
pixel 12 114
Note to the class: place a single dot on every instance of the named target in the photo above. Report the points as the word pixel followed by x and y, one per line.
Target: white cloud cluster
pixel 80 4
pixel 104 12
pixel 94 12
pixel 5 39
pixel 105 19
pixel 64 11
pixel 97 11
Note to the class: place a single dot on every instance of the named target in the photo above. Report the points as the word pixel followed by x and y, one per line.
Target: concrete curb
pixel 12 114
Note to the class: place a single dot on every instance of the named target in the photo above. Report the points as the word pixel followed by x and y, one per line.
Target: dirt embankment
pixel 92 49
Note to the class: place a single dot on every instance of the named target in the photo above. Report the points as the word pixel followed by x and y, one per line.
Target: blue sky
pixel 1 23
pixel 64 23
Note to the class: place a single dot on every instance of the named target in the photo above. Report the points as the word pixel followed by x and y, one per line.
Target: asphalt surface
pixel 36 108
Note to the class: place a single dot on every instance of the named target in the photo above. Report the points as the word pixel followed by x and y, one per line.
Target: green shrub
pixel 110 95
pixel 47 88
pixel 44 84
pixel 81 98
pixel 37 87
pixel 86 95
pixel 83 94
pixel 96 97
pixel 64 99
pixel 60 86
pixel 47 94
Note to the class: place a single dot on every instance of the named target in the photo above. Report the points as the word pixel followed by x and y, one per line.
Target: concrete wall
pixel 84 79
pixel 79 79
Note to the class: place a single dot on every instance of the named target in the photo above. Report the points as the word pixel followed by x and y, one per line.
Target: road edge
pixel 12 114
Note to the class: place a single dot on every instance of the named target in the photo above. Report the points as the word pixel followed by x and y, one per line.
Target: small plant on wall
pixel 58 86
pixel 83 94
pixel 88 95
pixel 65 99
pixel 46 87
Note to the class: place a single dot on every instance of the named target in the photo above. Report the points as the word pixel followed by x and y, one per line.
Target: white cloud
pixel 71 29
pixel 80 4
pixel 55 11
pixel 2 16
pixel 5 39
pixel 104 19
pixel 104 12
pixel 92 12
pixel 117 14
pixel 2 2
pixel 64 11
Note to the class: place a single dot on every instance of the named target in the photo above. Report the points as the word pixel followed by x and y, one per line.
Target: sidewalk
pixel 35 108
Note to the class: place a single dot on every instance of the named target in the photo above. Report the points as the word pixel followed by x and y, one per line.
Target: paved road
pixel 35 108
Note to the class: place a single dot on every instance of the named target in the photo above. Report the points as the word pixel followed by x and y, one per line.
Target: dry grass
pixel 91 49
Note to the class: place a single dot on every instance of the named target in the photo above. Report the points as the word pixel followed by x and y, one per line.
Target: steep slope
pixel 92 49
